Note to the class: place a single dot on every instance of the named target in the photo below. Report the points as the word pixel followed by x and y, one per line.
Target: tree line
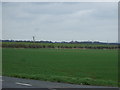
pixel 53 45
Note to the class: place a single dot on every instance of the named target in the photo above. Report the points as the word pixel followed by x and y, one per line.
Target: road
pixel 10 82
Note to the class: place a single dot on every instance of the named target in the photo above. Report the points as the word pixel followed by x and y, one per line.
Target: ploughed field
pixel 78 66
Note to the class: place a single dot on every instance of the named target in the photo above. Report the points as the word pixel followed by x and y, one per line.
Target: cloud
pixel 0 20
pixel 60 21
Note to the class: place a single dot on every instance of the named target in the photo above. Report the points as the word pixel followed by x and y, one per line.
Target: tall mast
pixel 33 38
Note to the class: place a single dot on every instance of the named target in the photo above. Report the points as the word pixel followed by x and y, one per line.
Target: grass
pixel 0 61
pixel 87 67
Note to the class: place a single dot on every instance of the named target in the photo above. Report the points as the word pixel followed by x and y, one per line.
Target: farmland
pixel 78 66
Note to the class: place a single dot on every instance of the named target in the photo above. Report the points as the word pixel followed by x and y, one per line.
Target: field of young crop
pixel 79 66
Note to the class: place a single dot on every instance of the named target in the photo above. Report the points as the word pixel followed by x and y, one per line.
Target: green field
pixel 79 66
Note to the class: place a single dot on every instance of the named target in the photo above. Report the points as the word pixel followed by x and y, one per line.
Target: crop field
pixel 78 66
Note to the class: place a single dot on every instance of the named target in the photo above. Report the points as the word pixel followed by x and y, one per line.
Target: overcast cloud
pixel 60 21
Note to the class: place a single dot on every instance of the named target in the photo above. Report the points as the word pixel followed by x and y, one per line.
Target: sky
pixel 62 21
pixel 0 20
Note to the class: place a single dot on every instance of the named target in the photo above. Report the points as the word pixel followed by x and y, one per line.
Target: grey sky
pixel 60 21
pixel 0 20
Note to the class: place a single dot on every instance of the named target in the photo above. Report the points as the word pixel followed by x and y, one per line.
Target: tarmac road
pixel 11 82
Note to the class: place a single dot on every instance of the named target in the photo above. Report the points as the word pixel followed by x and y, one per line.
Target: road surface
pixel 11 82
